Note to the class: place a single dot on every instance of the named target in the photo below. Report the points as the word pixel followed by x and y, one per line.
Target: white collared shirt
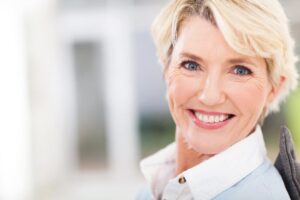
pixel 207 179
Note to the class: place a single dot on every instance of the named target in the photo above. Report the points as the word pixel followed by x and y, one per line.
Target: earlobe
pixel 275 89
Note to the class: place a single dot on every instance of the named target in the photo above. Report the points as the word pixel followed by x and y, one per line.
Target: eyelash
pixel 197 67
pixel 242 67
pixel 184 63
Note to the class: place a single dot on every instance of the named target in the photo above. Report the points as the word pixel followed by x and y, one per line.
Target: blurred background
pixel 83 99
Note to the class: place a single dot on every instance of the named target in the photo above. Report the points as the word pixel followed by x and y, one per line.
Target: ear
pixel 275 89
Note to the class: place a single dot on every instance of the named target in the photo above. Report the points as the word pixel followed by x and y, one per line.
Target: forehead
pixel 198 35
pixel 201 38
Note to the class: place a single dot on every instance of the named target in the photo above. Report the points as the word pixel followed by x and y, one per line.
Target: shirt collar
pixel 225 169
pixel 159 168
pixel 212 176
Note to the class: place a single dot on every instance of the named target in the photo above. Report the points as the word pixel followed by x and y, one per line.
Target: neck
pixel 186 157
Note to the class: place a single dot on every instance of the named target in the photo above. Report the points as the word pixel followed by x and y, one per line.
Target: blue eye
pixel 242 71
pixel 190 65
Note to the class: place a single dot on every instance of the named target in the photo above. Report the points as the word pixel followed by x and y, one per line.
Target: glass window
pixel 81 3
pixel 90 106
pixel 155 123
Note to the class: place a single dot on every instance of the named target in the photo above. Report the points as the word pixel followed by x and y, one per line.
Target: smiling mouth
pixel 210 119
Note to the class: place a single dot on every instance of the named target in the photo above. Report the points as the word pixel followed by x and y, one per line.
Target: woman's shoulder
pixel 263 183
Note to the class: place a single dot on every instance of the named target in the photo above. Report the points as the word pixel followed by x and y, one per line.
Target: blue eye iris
pixel 241 70
pixel 190 66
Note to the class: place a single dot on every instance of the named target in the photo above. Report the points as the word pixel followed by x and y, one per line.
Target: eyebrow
pixel 237 60
pixel 192 56
pixel 241 60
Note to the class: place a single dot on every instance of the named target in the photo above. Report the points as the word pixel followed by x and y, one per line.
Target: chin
pixel 205 147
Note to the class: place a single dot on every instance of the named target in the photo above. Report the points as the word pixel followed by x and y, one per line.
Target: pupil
pixel 241 71
pixel 192 66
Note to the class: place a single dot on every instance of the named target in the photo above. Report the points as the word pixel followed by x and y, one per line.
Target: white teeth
pixel 200 117
pixel 221 118
pixel 211 118
pixel 205 118
pixel 216 119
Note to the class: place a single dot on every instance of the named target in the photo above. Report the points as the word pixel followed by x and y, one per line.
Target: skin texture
pixel 206 74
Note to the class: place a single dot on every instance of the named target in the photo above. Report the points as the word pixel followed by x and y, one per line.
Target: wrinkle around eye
pixel 260 82
pixel 172 74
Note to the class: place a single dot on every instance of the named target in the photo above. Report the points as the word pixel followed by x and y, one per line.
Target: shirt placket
pixel 174 188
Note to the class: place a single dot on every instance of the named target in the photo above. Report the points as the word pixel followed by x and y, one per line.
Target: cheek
pixel 180 90
pixel 249 97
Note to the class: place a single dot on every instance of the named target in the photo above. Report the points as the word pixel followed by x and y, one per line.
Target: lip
pixel 209 113
pixel 204 125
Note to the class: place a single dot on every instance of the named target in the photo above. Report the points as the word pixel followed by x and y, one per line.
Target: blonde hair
pixel 251 27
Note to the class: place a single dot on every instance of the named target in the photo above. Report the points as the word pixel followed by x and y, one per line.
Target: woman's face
pixel 215 94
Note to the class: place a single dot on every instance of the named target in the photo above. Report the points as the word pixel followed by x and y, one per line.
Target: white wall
pixel 15 138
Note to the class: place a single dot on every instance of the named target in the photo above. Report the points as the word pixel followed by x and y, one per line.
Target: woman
pixel 227 65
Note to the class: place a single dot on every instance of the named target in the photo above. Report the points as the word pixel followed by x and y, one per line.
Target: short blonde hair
pixel 251 27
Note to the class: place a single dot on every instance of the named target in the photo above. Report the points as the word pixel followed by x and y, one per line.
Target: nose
pixel 211 92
